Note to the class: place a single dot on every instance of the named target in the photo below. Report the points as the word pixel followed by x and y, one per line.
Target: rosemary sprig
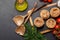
pixel 32 33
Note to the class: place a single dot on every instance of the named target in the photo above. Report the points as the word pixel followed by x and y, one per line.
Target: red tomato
pixel 57 27
pixel 59 34
pixel 49 1
pixel 58 20
pixel 45 0
pixel 54 31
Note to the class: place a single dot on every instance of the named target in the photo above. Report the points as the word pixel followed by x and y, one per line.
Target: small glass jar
pixel 21 5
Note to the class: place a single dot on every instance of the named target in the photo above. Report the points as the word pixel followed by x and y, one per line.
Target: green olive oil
pixel 21 6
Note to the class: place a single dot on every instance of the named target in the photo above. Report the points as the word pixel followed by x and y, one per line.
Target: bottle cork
pixel 20 1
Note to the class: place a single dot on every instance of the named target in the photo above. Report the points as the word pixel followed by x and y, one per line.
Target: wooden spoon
pixel 21 29
pixel 45 31
pixel 53 4
pixel 49 5
pixel 31 22
pixel 19 19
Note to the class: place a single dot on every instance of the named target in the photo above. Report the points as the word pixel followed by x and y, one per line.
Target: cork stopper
pixel 20 1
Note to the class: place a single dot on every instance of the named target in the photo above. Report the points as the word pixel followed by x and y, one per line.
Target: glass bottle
pixel 21 5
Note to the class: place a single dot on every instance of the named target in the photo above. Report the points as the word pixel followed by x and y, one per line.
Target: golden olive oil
pixel 21 6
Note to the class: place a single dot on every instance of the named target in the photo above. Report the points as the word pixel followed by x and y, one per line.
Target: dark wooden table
pixel 7 12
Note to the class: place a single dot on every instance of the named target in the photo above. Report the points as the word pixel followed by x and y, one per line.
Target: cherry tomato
pixel 45 0
pixel 58 20
pixel 54 31
pixel 50 1
pixel 57 27
pixel 59 34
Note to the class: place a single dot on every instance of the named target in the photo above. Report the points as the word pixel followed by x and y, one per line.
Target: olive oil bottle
pixel 21 5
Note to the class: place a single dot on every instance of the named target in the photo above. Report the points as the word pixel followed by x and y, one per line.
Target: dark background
pixel 7 12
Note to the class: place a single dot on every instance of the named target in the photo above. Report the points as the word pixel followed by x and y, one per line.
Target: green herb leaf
pixel 32 33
